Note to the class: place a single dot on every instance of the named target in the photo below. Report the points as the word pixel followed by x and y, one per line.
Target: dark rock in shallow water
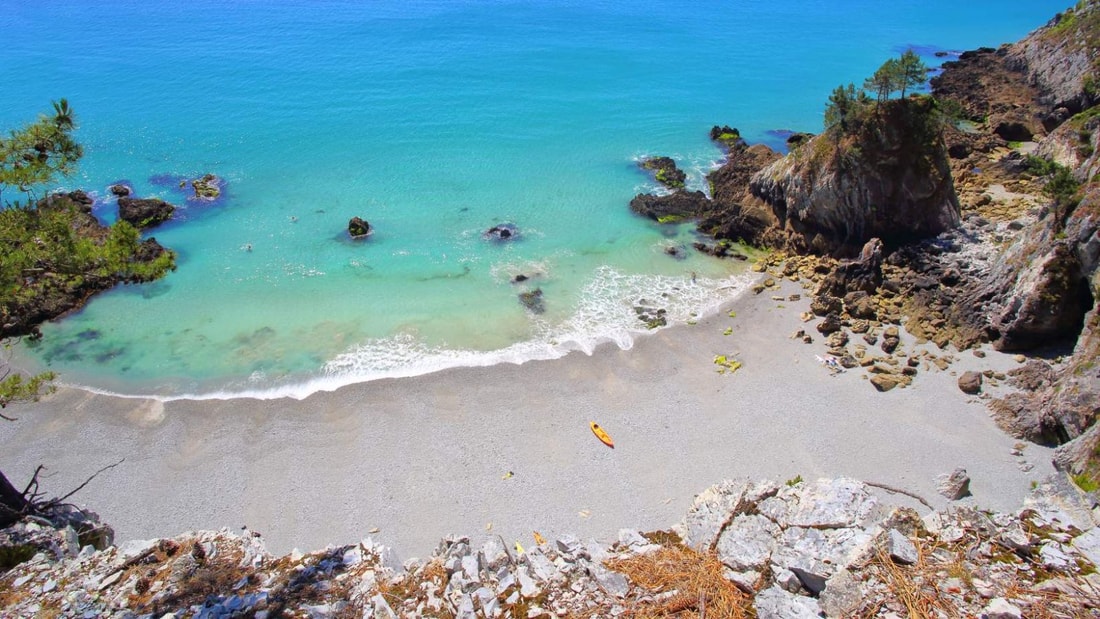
pixel 520 278
pixel 719 250
pixel 665 171
pixel 532 300
pixel 120 190
pixel 653 317
pixel 672 208
pixel 726 136
pixel 676 251
pixel 502 232
pixel 358 228
pixel 144 212
pixel 207 188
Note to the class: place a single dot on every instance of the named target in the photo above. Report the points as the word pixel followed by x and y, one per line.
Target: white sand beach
pixel 420 458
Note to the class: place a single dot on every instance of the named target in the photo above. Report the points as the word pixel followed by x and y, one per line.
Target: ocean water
pixel 433 120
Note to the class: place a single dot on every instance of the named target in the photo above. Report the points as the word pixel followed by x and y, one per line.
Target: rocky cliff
pixel 889 178
pixel 833 548
pixel 1060 60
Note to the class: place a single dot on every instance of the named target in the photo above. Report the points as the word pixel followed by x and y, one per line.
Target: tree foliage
pixel 847 103
pixel 36 154
pixel 51 247
pixel 844 106
pixel 885 80
pixel 911 71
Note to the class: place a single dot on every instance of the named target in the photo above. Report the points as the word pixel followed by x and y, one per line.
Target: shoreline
pixel 681 297
pixel 424 457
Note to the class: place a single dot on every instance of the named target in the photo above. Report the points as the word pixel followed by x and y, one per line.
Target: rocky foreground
pixel 832 548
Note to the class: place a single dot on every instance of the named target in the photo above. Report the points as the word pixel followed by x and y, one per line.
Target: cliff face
pixel 1061 58
pixel 890 179
pixel 1042 287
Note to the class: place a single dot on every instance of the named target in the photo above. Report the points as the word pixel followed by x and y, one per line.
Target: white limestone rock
pixel 1000 608
pixel 712 507
pixel 748 543
pixel 775 603
pixel 829 504
pixel 901 549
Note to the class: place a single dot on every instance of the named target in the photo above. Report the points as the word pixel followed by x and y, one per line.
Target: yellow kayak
pixel 600 434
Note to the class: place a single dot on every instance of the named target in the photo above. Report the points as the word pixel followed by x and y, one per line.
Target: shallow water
pixel 434 121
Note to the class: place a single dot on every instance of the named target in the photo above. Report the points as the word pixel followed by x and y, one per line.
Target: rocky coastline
pixel 979 208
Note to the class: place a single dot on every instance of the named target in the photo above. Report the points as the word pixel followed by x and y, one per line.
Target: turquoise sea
pixel 433 120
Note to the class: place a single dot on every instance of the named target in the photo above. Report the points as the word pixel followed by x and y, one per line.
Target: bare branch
pixel 86 482
pixel 33 483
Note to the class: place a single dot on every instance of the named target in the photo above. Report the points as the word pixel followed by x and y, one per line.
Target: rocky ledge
pixel 833 548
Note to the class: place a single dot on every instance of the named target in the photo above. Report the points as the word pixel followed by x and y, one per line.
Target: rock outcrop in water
pixel 665 171
pixel 831 548
pixel 144 213
pixel 207 188
pixel 501 233
pixel 359 228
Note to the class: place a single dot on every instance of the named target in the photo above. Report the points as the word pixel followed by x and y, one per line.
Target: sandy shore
pixel 420 458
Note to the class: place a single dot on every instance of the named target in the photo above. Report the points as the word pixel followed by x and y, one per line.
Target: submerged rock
pixel 501 232
pixel 532 300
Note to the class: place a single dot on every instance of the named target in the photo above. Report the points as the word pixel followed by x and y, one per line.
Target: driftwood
pixel 900 491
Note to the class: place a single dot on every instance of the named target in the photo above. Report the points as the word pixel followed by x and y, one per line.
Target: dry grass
pixel 413 588
pixel 917 589
pixel 694 585
pixel 914 587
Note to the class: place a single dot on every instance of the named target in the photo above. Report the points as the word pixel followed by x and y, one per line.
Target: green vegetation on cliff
pixel 56 253
pixel 855 122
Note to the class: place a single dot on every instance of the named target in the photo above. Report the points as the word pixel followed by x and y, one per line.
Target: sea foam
pixel 606 314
